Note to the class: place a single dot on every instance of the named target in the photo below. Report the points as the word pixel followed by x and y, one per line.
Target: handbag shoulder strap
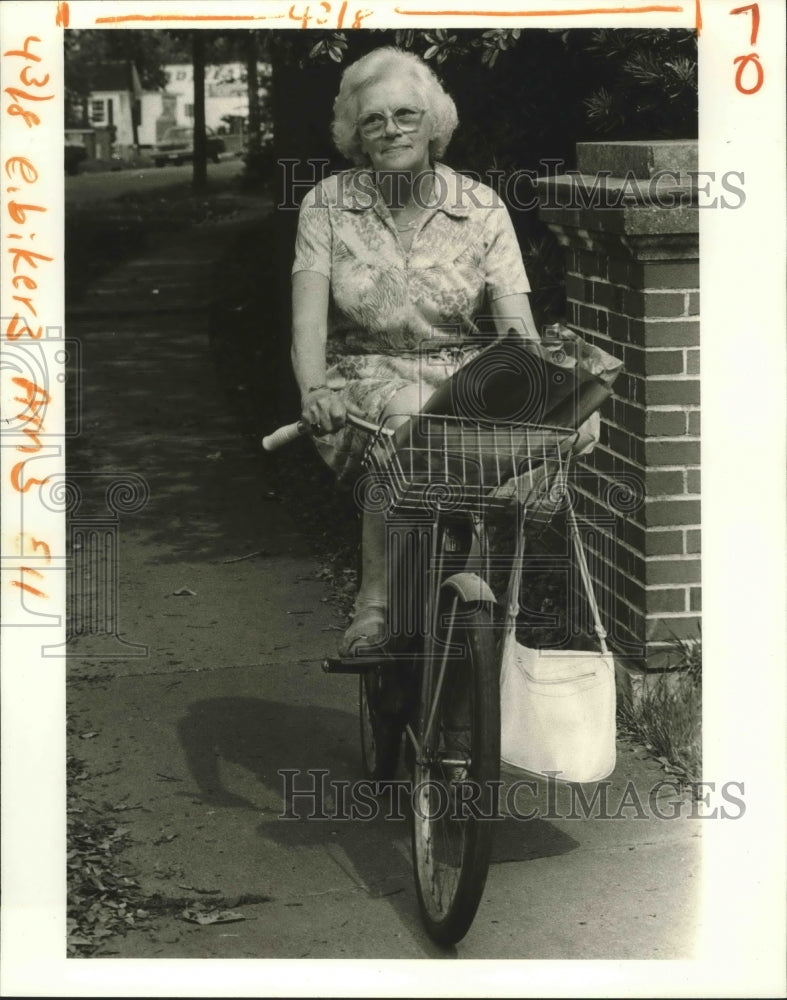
pixel 601 632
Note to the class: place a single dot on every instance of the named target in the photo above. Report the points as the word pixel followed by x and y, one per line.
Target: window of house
pixel 181 75
pixel 98 113
pixel 188 110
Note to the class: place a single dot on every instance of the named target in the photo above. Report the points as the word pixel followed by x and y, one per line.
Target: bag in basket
pixel 557 712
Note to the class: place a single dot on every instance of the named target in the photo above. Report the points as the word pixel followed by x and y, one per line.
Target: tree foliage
pixel 644 83
pixel 86 50
pixel 524 97
pixel 616 83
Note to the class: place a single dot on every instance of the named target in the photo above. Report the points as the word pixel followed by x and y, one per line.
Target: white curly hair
pixel 385 62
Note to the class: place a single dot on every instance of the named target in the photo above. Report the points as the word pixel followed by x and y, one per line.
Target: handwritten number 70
pixel 752 59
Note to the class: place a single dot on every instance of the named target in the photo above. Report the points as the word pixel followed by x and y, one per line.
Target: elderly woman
pixel 390 257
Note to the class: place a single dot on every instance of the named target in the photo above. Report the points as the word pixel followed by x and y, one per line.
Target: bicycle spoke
pixel 440 677
pixel 460 716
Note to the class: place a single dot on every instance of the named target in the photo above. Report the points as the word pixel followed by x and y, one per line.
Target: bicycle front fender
pixel 471 588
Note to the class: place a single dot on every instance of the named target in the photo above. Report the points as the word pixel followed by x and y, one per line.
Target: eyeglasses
pixel 372 126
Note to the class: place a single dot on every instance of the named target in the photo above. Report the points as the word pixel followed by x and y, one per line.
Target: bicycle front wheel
pixel 456 767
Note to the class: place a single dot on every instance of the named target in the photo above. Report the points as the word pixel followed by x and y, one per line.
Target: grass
pixel 667 714
pixel 102 234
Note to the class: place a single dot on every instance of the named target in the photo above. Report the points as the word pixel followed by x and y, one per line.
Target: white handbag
pixel 557 707
pixel 557 712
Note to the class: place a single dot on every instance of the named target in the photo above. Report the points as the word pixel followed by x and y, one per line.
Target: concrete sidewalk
pixel 193 733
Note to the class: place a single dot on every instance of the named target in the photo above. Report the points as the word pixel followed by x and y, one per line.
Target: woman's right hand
pixel 324 410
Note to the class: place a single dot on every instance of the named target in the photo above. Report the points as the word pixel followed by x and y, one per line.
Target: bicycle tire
pixel 450 850
pixel 381 735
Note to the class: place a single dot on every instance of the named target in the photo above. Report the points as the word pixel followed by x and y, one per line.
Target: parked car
pixel 177 146
pixel 73 155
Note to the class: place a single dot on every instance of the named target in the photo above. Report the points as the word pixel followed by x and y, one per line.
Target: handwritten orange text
pixel 37 544
pixel 25 101
pixel 647 9
pixel 35 399
pixel 21 98
pixel 24 258
pixel 326 14
pixel 751 59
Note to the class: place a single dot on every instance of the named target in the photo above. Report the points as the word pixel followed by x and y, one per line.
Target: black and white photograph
pixel 384 388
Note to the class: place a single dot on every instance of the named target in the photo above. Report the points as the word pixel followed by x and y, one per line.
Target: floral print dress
pixel 390 308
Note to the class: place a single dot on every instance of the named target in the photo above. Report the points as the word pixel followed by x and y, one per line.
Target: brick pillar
pixel 632 278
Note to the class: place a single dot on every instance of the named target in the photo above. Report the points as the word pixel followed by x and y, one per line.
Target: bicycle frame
pixel 468 574
pixel 439 477
pixel 464 584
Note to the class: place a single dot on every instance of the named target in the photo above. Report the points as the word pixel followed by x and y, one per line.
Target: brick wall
pixel 632 284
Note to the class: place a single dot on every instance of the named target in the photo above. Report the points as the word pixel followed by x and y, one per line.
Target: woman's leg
pixel 374 564
pixel 373 591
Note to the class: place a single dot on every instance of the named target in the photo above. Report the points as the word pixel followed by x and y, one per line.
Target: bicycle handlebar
pixel 289 432
pixel 283 435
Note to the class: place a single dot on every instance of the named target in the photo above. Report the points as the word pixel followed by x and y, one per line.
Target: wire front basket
pixel 452 463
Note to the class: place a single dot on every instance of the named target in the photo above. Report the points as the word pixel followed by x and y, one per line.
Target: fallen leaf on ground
pixel 249 555
pixel 184 592
pixel 212 917
pixel 165 839
pixel 87 736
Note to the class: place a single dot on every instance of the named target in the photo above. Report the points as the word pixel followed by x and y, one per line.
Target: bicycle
pixel 436 677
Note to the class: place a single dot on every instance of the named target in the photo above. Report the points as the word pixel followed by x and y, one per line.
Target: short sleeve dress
pixel 390 308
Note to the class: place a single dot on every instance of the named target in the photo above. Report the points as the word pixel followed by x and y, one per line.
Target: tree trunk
pixel 200 175
pixel 301 101
pixel 252 83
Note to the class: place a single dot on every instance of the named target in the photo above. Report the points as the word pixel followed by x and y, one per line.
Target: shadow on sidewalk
pixel 323 802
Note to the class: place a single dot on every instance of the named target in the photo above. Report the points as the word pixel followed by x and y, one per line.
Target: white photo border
pixel 743 486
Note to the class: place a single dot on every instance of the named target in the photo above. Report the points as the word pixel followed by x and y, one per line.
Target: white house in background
pixel 125 117
pixel 226 97
pixel 115 101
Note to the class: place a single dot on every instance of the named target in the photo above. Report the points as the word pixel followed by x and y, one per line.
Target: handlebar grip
pixel 290 432
pixel 283 435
